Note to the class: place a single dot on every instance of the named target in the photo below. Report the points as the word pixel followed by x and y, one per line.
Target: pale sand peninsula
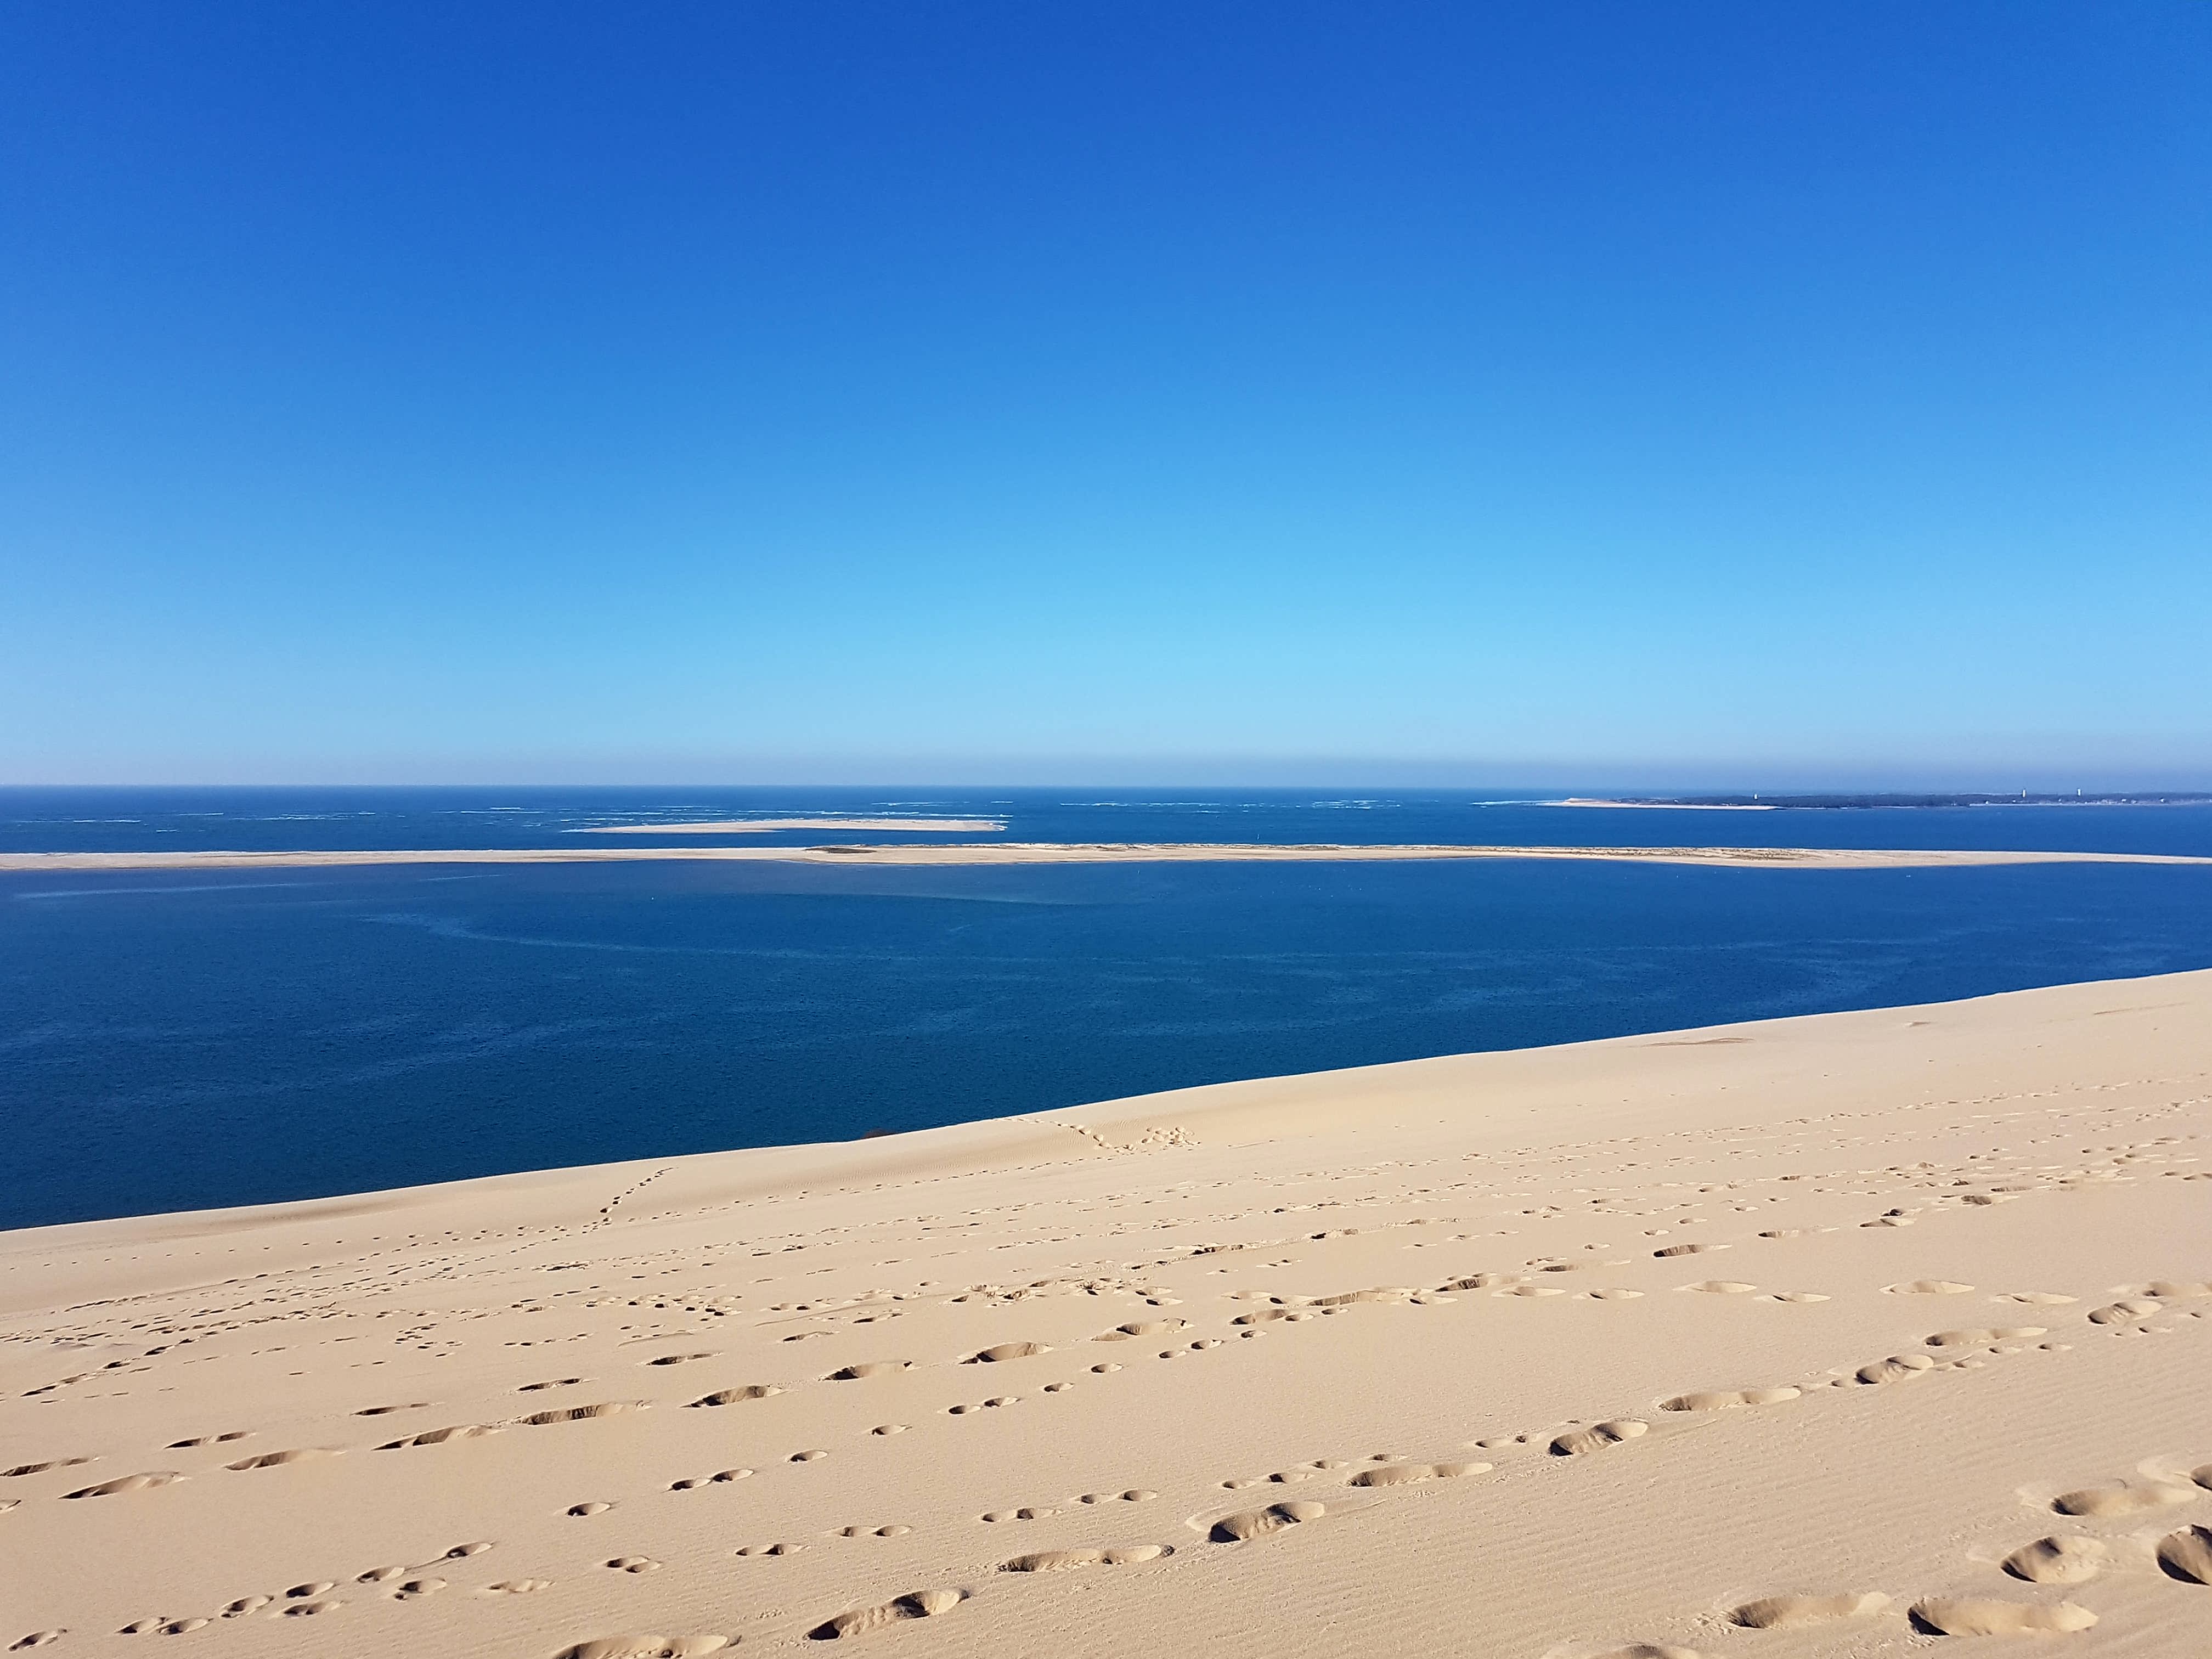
pixel 764 826
pixel 1816 1336
pixel 1764 858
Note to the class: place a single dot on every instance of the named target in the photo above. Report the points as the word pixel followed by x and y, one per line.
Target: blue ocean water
pixel 174 1039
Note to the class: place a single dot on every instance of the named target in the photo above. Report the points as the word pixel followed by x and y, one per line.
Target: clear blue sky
pixel 1106 389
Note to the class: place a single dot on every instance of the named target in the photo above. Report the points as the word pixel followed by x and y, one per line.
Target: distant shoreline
pixel 1777 802
pixel 1032 853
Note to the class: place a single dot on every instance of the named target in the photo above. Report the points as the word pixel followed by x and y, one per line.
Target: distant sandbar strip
pixel 1764 858
pixel 766 826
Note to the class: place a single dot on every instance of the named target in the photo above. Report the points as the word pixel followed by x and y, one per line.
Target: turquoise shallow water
pixel 174 1040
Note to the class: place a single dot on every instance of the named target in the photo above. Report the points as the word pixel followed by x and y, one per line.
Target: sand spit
pixel 1762 858
pixel 1842 1334
pixel 764 826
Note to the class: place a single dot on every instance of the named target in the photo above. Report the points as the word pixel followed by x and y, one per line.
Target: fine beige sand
pixel 1762 858
pixel 1869 1334
pixel 762 826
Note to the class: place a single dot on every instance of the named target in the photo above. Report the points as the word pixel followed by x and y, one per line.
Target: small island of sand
pixel 769 826
pixel 1004 853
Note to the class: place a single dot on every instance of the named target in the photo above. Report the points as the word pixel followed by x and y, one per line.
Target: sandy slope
pixel 1765 858
pixel 1553 1352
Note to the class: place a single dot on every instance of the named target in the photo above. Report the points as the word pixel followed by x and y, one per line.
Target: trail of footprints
pixel 2185 1555
pixel 316 1597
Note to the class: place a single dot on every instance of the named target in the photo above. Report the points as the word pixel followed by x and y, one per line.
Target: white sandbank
pixel 1801 1337
pixel 1765 858
pixel 766 826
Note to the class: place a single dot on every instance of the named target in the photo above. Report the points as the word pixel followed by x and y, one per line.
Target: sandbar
pixel 996 852
pixel 766 826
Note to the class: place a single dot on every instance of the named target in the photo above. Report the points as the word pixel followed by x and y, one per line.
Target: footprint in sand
pixel 597 1506
pixel 2126 1311
pixel 1003 1352
pixel 128 1483
pixel 1722 1287
pixel 278 1459
pixel 867 1368
pixel 1059 1560
pixel 218 1439
pixel 2103 1501
pixel 1928 1287
pixel 1715 1400
pixel 644 1647
pixel 1687 1249
pixel 2059 1560
pixel 1983 1339
pixel 2187 1555
pixel 1407 1474
pixel 439 1437
pixel 731 1397
pixel 527 1388
pixel 1258 1523
pixel 751 1551
pixel 68 1462
pixel 678 1359
pixel 634 1564
pixel 692 1483
pixel 919 1604
pixel 583 1413
pixel 37 1639
pixel 1598 1437
pixel 1897 1368
pixel 518 1586
pixel 1780 1612
pixel 1142 1328
pixel 1959 1617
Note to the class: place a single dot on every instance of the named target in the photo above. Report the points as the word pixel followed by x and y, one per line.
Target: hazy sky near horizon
pixel 1001 390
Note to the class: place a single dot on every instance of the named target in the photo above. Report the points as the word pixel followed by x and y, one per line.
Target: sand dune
pixel 1762 858
pixel 1436 1358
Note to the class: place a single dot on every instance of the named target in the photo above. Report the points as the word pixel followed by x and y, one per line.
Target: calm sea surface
pixel 172 1040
